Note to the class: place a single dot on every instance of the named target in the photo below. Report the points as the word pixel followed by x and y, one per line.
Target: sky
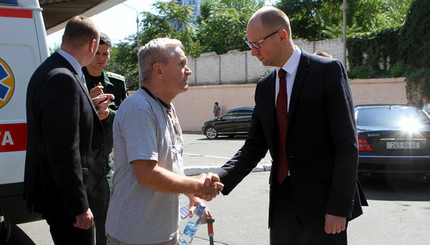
pixel 117 22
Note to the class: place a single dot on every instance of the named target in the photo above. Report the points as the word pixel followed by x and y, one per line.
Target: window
pixel 389 116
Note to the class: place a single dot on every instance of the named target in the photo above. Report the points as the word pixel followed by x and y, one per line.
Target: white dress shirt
pixel 75 64
pixel 291 68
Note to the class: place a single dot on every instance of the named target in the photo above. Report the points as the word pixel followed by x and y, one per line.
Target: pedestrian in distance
pixel 65 166
pixel 100 82
pixel 216 110
pixel 304 116
pixel 148 144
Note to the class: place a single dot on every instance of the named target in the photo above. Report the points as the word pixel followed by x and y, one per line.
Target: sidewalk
pixel 242 216
pixel 202 155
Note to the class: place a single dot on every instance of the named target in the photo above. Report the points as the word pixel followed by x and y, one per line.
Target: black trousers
pixel 64 233
pixel 100 231
pixel 289 227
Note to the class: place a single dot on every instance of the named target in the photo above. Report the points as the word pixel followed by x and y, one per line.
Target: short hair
pixel 323 53
pixel 104 39
pixel 216 103
pixel 273 17
pixel 155 51
pixel 79 31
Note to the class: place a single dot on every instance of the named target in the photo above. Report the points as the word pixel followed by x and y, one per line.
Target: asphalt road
pixel 398 214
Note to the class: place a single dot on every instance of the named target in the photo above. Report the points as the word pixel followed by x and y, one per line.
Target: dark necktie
pixel 281 115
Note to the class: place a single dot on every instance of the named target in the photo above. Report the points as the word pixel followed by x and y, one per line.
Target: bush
pixel 400 69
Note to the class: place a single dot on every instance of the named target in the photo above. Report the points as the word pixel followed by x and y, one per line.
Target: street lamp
pixel 344 8
pixel 137 22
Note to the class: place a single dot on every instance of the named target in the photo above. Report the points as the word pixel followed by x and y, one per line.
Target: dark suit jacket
pixel 65 168
pixel 322 147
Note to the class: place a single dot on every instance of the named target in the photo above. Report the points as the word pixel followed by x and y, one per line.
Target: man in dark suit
pixel 304 116
pixel 65 169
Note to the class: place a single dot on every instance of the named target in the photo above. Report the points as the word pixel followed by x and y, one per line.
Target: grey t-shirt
pixel 143 130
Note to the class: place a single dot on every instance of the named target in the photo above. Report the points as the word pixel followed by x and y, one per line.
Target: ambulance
pixel 23 47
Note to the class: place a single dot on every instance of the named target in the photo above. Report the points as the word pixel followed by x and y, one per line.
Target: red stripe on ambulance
pixel 16 13
pixel 13 137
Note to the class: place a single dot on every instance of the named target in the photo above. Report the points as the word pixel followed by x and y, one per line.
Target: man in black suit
pixel 304 116
pixel 65 169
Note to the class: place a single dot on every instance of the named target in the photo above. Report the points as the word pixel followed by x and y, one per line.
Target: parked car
pixel 393 140
pixel 234 122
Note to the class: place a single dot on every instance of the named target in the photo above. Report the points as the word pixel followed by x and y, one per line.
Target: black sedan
pixel 234 122
pixel 393 140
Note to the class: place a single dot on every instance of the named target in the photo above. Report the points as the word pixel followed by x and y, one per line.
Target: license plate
pixel 403 145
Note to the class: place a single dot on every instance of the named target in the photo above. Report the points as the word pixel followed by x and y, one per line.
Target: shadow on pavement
pixel 222 138
pixel 395 188
pixel 18 237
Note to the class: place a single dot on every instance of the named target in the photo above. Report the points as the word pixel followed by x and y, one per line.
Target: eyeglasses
pixel 257 43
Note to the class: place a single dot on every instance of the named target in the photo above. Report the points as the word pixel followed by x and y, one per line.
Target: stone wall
pixel 241 67
pixel 195 106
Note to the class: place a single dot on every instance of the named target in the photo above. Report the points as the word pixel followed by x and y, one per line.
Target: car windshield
pixel 390 116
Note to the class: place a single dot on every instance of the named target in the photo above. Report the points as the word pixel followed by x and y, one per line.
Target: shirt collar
pixel 75 64
pixel 164 104
pixel 293 62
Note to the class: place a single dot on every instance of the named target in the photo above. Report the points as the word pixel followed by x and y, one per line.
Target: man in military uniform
pixel 99 82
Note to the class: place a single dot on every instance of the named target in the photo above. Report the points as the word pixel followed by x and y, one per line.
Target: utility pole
pixel 137 23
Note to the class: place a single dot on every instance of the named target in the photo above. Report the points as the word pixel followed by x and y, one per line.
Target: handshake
pixel 210 184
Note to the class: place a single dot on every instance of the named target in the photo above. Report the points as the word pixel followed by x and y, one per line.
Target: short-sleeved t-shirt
pixel 143 130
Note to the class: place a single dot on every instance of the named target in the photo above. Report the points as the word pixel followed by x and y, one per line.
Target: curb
pixel 194 170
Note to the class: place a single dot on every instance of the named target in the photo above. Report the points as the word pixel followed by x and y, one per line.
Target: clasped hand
pixel 211 186
pixel 101 103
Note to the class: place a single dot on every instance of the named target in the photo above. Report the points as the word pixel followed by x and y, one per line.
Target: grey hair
pixel 155 51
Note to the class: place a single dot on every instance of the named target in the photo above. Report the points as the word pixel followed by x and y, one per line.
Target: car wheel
pixel 211 133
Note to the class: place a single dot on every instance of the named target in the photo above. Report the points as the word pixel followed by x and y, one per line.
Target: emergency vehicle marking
pixel 12 2
pixel 16 13
pixel 7 83
pixel 13 137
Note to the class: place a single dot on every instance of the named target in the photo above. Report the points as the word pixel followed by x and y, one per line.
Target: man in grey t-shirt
pixel 148 144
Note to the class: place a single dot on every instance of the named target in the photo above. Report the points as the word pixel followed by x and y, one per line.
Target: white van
pixel 23 48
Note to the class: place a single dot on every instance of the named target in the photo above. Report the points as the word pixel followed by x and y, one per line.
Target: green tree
pixel 170 20
pixel 222 24
pixel 415 46
pixel 322 19
pixel 124 61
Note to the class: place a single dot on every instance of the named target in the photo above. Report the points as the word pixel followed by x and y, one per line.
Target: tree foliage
pixel 222 24
pixel 373 27
pixel 171 20
pixel 415 46
pixel 373 54
pixel 322 19
pixel 222 27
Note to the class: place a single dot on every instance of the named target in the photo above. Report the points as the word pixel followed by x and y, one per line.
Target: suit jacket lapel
pixel 302 72
pixel 85 90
